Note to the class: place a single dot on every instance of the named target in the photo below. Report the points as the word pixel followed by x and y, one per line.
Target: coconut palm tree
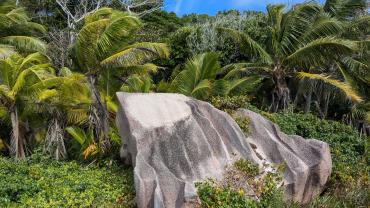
pixel 105 43
pixel 300 39
pixel 18 75
pixel 17 31
pixel 349 67
pixel 65 100
pixel 202 77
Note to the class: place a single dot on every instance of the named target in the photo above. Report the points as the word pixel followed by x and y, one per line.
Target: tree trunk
pixel 327 96
pixel 17 141
pixel 54 140
pixel 308 97
pixel 98 115
pixel 280 94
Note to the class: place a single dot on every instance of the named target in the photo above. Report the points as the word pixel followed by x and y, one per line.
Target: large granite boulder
pixel 173 141
pixel 307 161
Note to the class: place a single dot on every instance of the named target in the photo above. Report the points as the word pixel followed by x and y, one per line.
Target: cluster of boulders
pixel 173 141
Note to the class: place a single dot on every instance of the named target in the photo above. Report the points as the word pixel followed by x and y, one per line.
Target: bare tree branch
pixel 141 7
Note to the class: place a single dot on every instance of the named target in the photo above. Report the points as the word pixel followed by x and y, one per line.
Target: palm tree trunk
pixel 17 142
pixel 326 104
pixel 98 115
pixel 54 140
pixel 308 97
pixel 280 94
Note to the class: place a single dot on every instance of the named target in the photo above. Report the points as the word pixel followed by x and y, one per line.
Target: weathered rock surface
pixel 307 161
pixel 173 141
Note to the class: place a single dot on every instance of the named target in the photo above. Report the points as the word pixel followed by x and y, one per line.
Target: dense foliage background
pixel 305 67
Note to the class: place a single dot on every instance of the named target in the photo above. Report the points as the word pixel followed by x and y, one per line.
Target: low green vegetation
pixel 265 189
pixel 40 181
pixel 349 183
pixel 249 169
pixel 213 196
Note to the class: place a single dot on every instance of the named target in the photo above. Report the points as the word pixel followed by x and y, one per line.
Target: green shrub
pixel 248 168
pixel 348 185
pixel 347 146
pixel 42 182
pixel 211 195
pixel 229 102
pixel 230 193
pixel 243 123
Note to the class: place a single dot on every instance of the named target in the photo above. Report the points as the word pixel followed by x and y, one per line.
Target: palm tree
pixel 202 77
pixel 17 31
pixel 65 100
pixel 350 67
pixel 18 75
pixel 105 43
pixel 299 39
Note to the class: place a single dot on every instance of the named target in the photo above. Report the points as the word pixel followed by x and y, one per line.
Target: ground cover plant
pixel 40 181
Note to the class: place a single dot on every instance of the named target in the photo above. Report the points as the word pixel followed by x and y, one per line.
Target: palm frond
pixel 344 8
pixel 141 69
pixel 324 25
pixel 202 89
pixel 248 44
pixel 24 43
pixel 77 116
pixel 320 50
pixel 344 87
pixel 6 92
pixel 288 31
pixel 356 67
pixel 35 59
pixel 77 134
pixel 116 32
pixel 6 51
pixel 244 85
pixel 101 13
pixel 137 83
pixel 137 54
pixel 18 16
pixel 239 69
pixel 46 94
pixel 36 27
pixel 86 43
pixel 7 5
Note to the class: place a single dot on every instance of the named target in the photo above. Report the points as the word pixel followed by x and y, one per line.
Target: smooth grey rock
pixel 173 141
pixel 307 161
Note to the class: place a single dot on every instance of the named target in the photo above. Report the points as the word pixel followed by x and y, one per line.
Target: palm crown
pixel 19 78
pixel 104 43
pixel 17 31
pixel 299 40
pixel 203 76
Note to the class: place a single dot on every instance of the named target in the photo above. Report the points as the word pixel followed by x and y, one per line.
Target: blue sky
pixel 211 7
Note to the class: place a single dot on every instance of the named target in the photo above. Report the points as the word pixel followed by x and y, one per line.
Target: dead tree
pixel 141 7
pixel 80 10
